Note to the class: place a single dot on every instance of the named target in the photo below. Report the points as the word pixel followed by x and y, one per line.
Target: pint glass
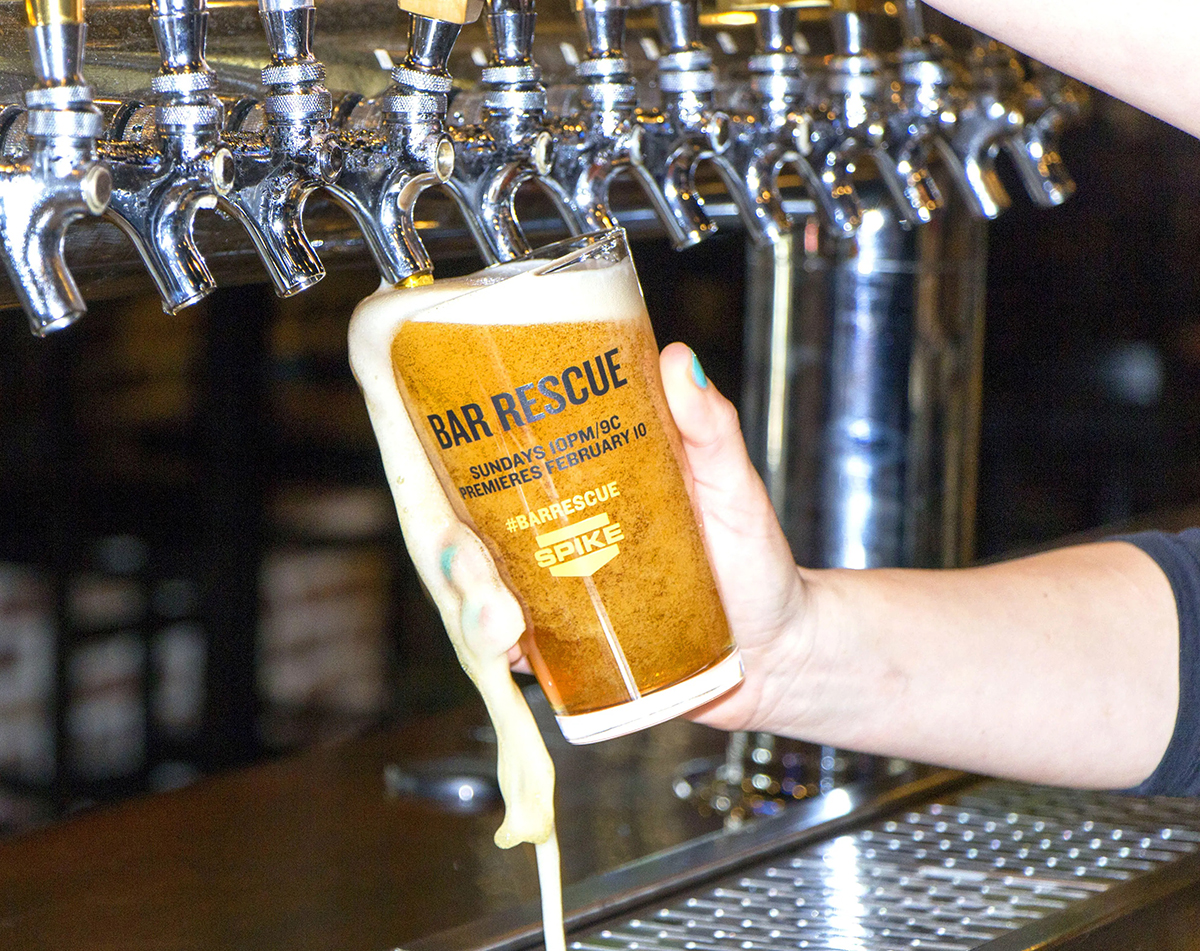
pixel 534 387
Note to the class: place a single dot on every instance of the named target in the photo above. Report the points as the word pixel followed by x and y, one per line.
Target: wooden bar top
pixel 313 852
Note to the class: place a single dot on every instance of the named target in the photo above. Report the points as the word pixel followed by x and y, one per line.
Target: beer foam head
pixel 523 292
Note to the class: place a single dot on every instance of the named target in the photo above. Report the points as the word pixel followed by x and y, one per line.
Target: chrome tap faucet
pixel 609 137
pixel 513 142
pixel 386 170
pixel 277 166
pixel 779 128
pixel 1003 111
pixel 1051 103
pixel 759 141
pixel 163 177
pixel 972 121
pixel 57 179
pixel 688 128
pixel 887 123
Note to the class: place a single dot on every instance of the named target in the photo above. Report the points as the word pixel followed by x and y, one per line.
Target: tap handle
pixel 430 41
pixel 433 27
pixel 461 12
pixel 850 33
pixel 678 24
pixel 289 27
pixel 46 12
pixel 181 32
pixel 296 96
pixel 56 40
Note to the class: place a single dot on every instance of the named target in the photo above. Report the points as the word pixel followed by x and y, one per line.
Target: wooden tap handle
pixel 452 11
pixel 46 12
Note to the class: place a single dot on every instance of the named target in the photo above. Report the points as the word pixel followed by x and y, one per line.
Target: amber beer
pixel 539 401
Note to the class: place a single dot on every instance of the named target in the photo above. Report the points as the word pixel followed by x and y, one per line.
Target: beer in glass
pixel 534 387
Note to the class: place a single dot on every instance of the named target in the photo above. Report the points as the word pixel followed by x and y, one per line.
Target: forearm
pixel 1060 668
pixel 1142 54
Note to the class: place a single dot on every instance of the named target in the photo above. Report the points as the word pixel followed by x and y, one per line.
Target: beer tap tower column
pixel 58 179
pixel 846 465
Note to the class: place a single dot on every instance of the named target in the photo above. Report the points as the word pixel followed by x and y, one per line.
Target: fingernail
pixel 698 376
pixel 447 560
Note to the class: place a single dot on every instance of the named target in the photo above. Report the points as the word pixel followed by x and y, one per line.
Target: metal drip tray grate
pixel 950 877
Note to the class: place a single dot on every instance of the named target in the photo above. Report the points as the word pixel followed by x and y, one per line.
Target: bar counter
pixel 385 841
pixel 330 851
pixel 314 852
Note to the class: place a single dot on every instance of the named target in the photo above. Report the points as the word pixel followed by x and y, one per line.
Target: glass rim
pixel 559 255
pixel 563 254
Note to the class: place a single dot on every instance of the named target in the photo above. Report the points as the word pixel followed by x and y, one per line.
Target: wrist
pixel 796 700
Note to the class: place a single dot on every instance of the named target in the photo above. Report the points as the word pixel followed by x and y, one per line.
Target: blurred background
pixel 199 562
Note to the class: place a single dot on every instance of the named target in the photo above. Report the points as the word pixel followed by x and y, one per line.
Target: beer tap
pixel 1002 111
pixel 57 179
pixel 972 124
pixel 295 153
pixel 1051 103
pixel 777 129
pixel 386 171
pixel 690 128
pixel 163 177
pixel 610 137
pixel 888 125
pixel 513 143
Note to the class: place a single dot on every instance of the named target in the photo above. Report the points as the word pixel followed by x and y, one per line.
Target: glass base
pixel 653 708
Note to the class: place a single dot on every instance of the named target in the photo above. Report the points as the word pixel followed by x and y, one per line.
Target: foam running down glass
pixel 535 389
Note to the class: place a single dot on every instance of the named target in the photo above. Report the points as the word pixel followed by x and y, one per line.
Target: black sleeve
pixel 1179 557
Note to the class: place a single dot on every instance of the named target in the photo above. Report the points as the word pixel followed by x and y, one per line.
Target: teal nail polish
pixel 447 560
pixel 698 376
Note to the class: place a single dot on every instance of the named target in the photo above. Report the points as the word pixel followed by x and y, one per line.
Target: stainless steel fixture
pixel 283 148
pixel 392 160
pixel 783 124
pixel 55 178
pixel 611 135
pixel 167 159
pixel 513 143
pixel 863 352
pixel 643 113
